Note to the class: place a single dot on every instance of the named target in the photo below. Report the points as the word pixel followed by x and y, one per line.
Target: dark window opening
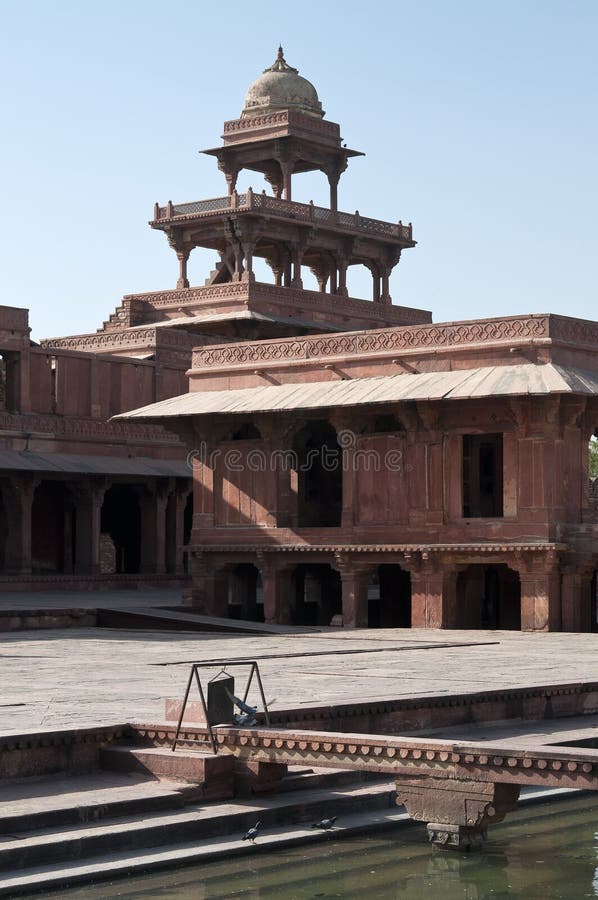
pixel 318 595
pixel 482 476
pixel 245 594
pixel 9 380
pixel 389 598
pixel 121 520
pixel 319 476
pixel 488 597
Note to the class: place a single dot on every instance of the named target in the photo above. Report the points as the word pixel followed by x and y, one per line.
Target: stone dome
pixel 281 87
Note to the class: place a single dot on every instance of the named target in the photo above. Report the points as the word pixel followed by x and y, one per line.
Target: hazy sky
pixel 479 121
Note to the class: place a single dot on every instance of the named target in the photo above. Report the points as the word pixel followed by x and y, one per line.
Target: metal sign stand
pixel 223 664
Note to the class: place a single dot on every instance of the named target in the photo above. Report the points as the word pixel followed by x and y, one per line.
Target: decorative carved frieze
pixel 387 339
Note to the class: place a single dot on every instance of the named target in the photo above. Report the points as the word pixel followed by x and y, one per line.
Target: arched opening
pixel 246 432
pixel 318 595
pixel 52 528
pixel 594 601
pixel 187 526
pixel 245 595
pixel 319 476
pixel 389 598
pixel 488 596
pixel 121 521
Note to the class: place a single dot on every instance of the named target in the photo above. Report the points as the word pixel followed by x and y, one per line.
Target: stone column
pixel 277 586
pixel 333 180
pixel 181 495
pixel 456 812
pixel 385 295
pixel 375 284
pixel 354 581
pixel 18 496
pixel 287 171
pixel 209 589
pixel 341 289
pixel 433 594
pixel 297 281
pixel 88 498
pixel 248 247
pixel 182 281
pixel 153 528
pixel 540 593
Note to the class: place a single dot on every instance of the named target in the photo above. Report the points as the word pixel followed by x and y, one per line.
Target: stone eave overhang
pixel 421 550
pixel 217 209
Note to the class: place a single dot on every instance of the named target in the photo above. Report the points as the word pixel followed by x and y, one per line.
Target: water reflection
pixel 546 851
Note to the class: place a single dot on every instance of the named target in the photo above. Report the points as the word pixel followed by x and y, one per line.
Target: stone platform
pixel 91 676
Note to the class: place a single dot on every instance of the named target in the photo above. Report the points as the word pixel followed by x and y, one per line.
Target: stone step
pixel 212 774
pixel 195 822
pixel 55 876
pixel 45 803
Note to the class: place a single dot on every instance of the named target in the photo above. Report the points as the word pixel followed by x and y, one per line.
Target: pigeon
pixel 252 833
pixel 326 824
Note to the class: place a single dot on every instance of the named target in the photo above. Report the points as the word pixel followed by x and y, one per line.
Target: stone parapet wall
pixel 443 336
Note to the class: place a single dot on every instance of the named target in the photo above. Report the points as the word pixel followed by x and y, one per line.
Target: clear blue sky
pixel 479 121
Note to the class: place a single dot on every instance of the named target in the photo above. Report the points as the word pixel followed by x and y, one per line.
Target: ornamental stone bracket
pixel 457 813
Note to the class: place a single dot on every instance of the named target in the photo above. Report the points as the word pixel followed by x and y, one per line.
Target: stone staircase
pixel 222 270
pixel 61 831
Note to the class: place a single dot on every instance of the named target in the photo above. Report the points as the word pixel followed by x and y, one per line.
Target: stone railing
pixel 452 334
pixel 284 117
pixel 287 209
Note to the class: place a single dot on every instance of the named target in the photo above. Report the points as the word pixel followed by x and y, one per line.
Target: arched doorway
pixel 389 598
pixel 488 596
pixel 245 595
pixel 319 476
pixel 121 520
pixel 318 595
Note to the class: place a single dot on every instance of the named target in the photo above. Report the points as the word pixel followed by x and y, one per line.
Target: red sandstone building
pixel 353 463
pixel 395 471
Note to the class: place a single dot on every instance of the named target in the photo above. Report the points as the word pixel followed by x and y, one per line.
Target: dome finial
pixel 280 64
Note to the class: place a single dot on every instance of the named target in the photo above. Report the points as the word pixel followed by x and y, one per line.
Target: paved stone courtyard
pixel 93 676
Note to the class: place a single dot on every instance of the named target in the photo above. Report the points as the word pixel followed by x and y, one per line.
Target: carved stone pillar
pixel 182 280
pixel 88 497
pixel 341 288
pixel 277 584
pixel 18 496
pixel 297 281
pixel 540 593
pixel 209 590
pixel 385 295
pixel 333 180
pixel 457 813
pixel 286 168
pixel 354 581
pixel 433 594
pixel 181 496
pixel 153 528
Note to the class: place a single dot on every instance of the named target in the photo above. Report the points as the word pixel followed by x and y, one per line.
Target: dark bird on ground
pixel 252 833
pixel 326 824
